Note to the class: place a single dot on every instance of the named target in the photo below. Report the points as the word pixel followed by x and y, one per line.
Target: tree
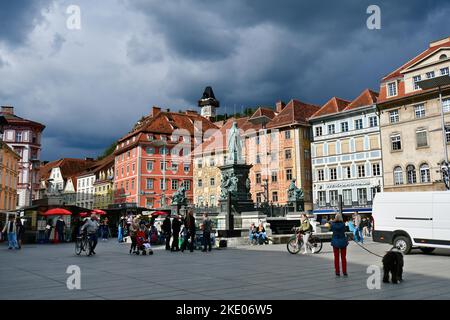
pixel 108 151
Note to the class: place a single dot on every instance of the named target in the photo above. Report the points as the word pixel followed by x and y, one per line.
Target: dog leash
pixel 366 249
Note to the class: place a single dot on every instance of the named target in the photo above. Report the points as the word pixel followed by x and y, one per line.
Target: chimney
pixel 7 110
pixel 155 111
pixel 280 106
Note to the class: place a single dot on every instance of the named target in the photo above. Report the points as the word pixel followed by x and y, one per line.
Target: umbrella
pixel 99 212
pixel 57 212
pixel 160 213
pixel 84 214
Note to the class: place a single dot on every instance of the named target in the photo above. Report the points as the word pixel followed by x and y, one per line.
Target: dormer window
pixel 150 137
pixel 443 57
pixel 392 89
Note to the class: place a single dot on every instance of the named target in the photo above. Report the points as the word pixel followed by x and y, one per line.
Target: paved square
pixel 262 272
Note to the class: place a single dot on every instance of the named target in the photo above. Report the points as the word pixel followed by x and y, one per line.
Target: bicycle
pixel 83 243
pixel 295 242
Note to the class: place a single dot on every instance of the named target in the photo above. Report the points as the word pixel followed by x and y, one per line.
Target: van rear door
pixel 441 218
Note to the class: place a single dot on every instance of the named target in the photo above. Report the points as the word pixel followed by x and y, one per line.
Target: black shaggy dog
pixel 393 263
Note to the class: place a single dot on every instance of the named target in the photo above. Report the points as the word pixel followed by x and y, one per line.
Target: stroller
pixel 142 244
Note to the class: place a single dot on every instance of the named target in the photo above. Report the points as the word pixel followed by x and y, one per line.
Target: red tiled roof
pixel 99 165
pixel 366 98
pixel 397 73
pixel 295 112
pixel 12 119
pixel 69 167
pixel 334 105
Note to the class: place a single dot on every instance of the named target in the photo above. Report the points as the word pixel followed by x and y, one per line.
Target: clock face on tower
pixel 207 111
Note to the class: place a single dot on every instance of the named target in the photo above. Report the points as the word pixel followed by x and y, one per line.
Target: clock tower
pixel 209 104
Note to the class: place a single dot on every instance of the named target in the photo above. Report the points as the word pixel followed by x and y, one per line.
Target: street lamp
pixel 439 82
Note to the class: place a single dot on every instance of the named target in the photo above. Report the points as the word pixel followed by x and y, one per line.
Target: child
pixel 142 242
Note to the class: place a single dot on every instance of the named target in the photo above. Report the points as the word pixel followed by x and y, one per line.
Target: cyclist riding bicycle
pixel 90 227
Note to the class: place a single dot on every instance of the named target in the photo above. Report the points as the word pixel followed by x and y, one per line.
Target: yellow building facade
pixel 9 172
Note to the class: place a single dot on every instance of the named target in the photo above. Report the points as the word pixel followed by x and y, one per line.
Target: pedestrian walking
pixel 166 229
pixel 134 228
pixel 48 230
pixel 207 229
pixel 306 230
pixel 60 228
pixel 359 227
pixel 176 226
pixel 339 243
pixel 190 228
pixel 20 231
pixel 10 229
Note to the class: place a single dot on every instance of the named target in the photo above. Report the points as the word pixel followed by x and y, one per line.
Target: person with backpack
pixel 306 229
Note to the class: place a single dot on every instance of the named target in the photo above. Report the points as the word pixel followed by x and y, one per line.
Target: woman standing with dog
pixel 339 243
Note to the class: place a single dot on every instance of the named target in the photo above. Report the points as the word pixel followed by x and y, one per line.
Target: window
pixel 163 166
pixel 258 178
pixel 419 111
pixel 344 126
pixel 288 154
pixel 274 196
pixel 334 199
pixel 258 197
pixel 444 71
pixel 187 168
pixel 331 129
pixel 373 122
pixel 175 167
pixel 411 174
pixel 333 174
pixel 318 131
pixel 446 105
pixel 362 196
pixel 199 164
pixel 347 197
pixel 320 175
pixel 212 182
pixel 398 176
pixel 200 183
pixel 288 174
pixel 430 74
pixel 376 170
pixel 347 172
pixel 425 173
pixel 258 159
pixel 447 134
pixel 149 150
pixel 187 184
pixel 163 184
pixel 361 171
pixel 257 139
pixel 322 198
pixel 396 143
pixel 174 184
pixel 394 116
pixel 164 150
pixel 421 138
pixel 358 124
pixel 149 203
pixel 19 136
pixel 287 134
pixel 212 162
pixel 274 176
pixel 416 79
pixel 392 89
pixel 132 184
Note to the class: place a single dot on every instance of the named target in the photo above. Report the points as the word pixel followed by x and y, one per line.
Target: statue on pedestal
pixel 234 145
pixel 295 195
pixel 179 197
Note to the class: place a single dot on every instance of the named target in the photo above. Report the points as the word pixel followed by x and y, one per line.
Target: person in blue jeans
pixel 11 229
pixel 261 235
pixel 252 234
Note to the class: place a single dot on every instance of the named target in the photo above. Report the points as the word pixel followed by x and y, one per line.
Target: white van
pixel 412 219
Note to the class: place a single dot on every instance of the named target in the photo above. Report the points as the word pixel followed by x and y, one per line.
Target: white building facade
pixel 85 190
pixel 347 157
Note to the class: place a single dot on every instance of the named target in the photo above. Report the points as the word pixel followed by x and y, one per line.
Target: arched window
pixel 425 173
pixel 398 176
pixel 411 174
pixel 443 56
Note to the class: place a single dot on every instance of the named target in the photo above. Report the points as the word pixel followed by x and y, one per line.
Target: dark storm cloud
pixel 90 86
pixel 18 18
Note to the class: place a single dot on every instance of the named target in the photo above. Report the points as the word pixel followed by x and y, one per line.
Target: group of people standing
pixel 13 231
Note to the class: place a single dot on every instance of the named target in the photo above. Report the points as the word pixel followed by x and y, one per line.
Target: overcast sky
pixel 90 86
